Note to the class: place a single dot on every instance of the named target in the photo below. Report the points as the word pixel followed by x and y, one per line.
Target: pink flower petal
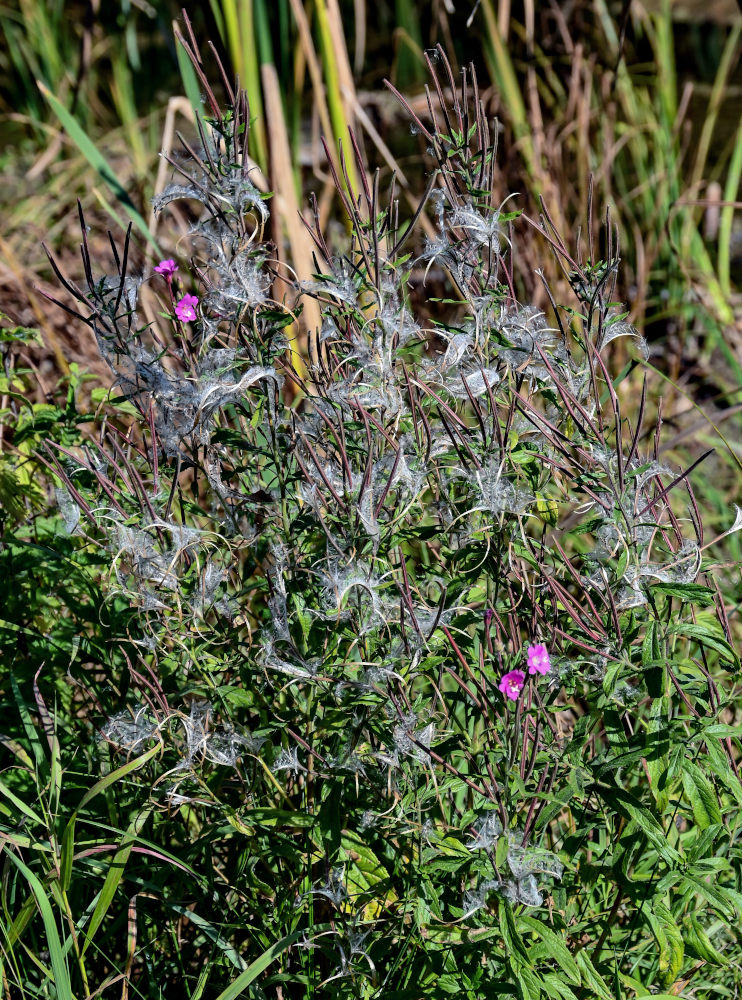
pixel 185 309
pixel 166 268
pixel 512 683
pixel 538 659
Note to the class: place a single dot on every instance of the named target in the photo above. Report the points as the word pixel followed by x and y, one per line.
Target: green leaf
pixel 698 943
pixel 252 972
pixel 102 395
pixel 305 619
pixel 60 973
pixel 721 731
pixel 709 634
pixel 701 794
pixel 68 837
pixel 657 755
pixel 556 946
pixel 718 762
pixel 734 898
pixel 591 977
pixel 114 875
pixel 210 931
pixel 28 726
pixel 630 807
pixel 718 898
pixel 120 772
pixel 547 509
pixel 202 981
pixel 277 817
pixel 20 805
pixel 66 855
pixel 96 160
pixel 363 859
pixel 623 562
pixel 554 987
pixel 513 941
pixel 693 593
pixel 652 659
pixel 529 983
pixel 559 798
pixel 10 333
pixel 669 939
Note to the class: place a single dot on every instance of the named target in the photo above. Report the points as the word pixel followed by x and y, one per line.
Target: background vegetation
pixel 181 812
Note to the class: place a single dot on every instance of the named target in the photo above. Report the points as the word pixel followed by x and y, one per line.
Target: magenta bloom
pixel 185 310
pixel 512 683
pixel 538 659
pixel 166 268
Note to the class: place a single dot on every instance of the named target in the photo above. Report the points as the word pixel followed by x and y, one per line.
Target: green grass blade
pixel 114 876
pixel 502 73
pixel 718 90
pixel 20 805
pixel 731 189
pixel 252 972
pixel 31 733
pixel 239 25
pixel 120 772
pixel 201 984
pixel 211 933
pixel 59 967
pixel 665 63
pixel 189 78
pixel 157 850
pixel 96 160
pixel 409 45
pixel 340 123
pixel 700 411
pixel 20 922
pixel 68 838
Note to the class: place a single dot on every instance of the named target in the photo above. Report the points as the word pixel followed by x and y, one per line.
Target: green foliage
pixel 277 710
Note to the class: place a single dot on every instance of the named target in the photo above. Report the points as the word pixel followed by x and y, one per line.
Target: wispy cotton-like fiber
pixel 416 614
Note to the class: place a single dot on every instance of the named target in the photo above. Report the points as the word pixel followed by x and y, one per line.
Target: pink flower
pixel 512 683
pixel 538 659
pixel 167 268
pixel 185 310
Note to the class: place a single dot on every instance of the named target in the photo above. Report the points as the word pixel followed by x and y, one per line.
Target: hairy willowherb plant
pixel 457 674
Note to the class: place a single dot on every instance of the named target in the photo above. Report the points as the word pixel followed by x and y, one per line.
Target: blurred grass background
pixel 627 106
